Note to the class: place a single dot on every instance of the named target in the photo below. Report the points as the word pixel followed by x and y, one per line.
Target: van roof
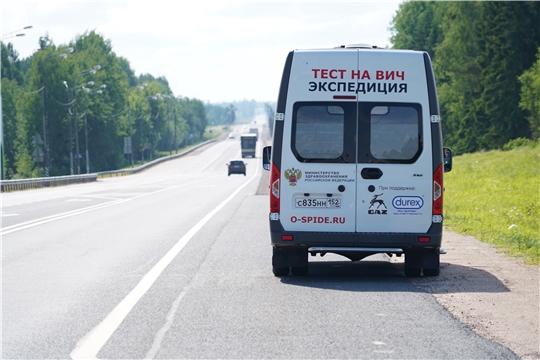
pixel 358 46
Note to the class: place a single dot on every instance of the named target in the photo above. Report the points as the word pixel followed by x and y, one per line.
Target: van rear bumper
pixel 375 242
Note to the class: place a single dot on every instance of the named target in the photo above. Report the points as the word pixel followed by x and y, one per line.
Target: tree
pixel 10 94
pixel 486 46
pixel 105 131
pixel 90 92
pixel 417 26
pixel 11 66
pixel 270 116
pixel 530 96
pixel 216 114
pixel 230 114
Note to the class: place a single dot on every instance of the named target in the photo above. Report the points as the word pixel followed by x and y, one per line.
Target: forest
pixel 486 59
pixel 122 119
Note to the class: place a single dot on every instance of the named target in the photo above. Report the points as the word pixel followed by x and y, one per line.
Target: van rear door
pixel 357 124
pixel 318 172
pixel 395 175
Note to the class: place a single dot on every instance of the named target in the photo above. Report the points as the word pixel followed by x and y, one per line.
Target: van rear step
pixel 361 249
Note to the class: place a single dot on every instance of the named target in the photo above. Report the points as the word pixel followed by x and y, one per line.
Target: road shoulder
pixel 495 295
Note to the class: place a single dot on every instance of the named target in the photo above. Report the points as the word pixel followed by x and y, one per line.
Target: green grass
pixel 495 197
pixel 212 132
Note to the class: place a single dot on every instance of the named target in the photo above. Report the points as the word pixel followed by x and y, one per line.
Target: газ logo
pixel 408 202
pixel 380 203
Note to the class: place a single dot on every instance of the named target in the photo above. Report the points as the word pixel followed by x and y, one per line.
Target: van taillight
pixel 438 191
pixel 274 189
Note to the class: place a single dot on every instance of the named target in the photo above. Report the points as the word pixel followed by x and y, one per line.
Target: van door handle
pixel 371 173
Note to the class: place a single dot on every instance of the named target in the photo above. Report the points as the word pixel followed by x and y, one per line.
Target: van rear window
pixel 394 133
pixel 319 132
pixel 351 132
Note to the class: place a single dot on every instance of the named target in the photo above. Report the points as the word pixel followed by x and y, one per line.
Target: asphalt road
pixel 175 262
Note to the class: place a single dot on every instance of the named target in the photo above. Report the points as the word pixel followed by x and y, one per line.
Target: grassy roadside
pixel 210 133
pixel 495 197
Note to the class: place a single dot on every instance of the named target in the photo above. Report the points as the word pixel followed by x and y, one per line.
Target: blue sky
pixel 216 51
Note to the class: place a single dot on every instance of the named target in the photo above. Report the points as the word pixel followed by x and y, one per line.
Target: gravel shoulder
pixel 494 295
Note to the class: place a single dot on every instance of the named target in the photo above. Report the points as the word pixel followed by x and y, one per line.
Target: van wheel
pixel 412 272
pixel 299 271
pixel 280 271
pixel 432 272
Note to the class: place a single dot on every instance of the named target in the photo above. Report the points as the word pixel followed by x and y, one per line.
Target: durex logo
pixel 408 202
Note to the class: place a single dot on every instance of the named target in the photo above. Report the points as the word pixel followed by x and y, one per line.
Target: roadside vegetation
pixel 495 197
pixel 210 133
pixel 486 59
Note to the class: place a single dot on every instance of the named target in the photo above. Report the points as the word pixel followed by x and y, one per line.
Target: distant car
pixel 231 136
pixel 237 167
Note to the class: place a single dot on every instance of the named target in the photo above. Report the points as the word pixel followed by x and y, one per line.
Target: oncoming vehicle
pixel 236 167
pixel 356 163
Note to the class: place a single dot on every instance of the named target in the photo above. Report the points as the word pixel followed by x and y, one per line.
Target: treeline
pixel 63 100
pixel 486 58
pixel 238 111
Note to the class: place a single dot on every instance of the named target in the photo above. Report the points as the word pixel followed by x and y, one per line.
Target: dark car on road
pixel 236 167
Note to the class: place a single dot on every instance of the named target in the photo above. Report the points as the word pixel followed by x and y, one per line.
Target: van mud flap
pixel 289 257
pixel 422 259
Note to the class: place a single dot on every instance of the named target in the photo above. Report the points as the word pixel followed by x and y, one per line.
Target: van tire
pixel 432 272
pixel 412 272
pixel 280 271
pixel 299 271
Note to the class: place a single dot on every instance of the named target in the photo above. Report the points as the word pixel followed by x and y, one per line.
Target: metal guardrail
pixel 25 184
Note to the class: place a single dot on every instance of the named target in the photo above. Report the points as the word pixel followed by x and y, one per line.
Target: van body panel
pixel 356 145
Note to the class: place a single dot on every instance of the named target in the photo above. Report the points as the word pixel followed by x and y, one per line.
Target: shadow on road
pixel 378 276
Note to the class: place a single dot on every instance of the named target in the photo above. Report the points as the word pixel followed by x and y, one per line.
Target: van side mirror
pixel 266 157
pixel 447 159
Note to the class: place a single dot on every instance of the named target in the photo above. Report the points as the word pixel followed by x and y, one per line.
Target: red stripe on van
pixel 344 97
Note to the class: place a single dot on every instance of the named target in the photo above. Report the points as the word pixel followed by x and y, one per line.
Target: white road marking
pixel 158 339
pixel 28 224
pixel 32 223
pixel 89 346
pixel 7 215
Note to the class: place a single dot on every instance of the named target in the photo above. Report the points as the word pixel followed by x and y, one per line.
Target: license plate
pixel 334 203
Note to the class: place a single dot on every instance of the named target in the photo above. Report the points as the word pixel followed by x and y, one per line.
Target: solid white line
pixel 28 224
pixel 89 346
pixel 7 215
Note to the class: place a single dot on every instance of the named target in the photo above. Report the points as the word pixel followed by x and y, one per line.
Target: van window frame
pixel 365 133
pixel 348 155
pixel 357 125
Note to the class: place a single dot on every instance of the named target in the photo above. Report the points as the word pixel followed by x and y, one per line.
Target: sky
pixel 214 51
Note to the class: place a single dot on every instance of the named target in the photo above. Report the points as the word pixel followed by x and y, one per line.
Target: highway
pixel 175 263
